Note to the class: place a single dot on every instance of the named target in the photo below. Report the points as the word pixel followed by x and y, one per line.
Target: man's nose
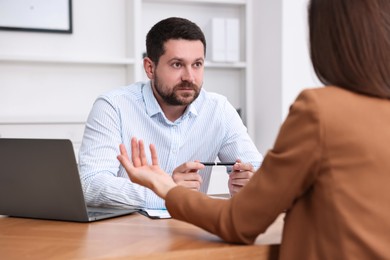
pixel 188 75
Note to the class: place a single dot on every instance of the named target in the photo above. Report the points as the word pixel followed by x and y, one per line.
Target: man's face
pixel 178 77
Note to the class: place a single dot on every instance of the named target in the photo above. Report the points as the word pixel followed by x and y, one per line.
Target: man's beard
pixel 172 98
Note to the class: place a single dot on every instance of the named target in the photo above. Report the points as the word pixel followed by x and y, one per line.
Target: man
pixel 172 111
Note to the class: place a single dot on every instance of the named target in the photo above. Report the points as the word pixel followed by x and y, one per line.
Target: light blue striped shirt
pixel 210 128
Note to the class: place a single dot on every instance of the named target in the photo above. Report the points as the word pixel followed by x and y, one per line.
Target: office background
pixel 48 81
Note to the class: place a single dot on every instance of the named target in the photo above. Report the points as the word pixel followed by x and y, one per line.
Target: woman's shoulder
pixel 326 91
pixel 329 96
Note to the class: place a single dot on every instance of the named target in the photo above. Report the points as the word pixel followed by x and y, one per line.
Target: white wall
pixel 282 66
pixel 44 95
pixel 48 90
pixel 297 71
pixel 267 70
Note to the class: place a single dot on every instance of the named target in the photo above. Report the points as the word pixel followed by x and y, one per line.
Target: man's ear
pixel 149 67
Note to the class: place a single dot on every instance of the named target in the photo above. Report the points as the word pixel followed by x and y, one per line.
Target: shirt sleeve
pixel 104 181
pixel 237 143
pixel 288 170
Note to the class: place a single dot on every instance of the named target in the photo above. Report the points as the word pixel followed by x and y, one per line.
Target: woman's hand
pixel 140 172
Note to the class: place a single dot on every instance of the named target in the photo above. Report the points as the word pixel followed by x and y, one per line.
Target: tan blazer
pixel 330 168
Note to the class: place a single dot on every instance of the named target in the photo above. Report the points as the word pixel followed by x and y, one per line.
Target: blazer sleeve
pixel 287 172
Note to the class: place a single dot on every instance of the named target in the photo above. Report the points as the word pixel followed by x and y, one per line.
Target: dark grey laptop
pixel 39 179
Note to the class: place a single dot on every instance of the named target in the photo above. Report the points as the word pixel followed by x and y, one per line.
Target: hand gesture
pixel 142 173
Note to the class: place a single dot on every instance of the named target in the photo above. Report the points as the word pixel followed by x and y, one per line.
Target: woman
pixel 330 165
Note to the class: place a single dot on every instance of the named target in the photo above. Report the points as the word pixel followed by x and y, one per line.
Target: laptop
pixel 39 179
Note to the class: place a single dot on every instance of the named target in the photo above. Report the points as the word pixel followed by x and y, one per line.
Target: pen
pixel 218 163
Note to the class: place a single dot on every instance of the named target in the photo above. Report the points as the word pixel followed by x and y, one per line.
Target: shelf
pixel 223 2
pixel 225 65
pixel 105 61
pixel 66 60
pixel 42 120
pixel 120 62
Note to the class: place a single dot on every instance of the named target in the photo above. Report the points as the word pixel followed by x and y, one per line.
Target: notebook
pixel 39 179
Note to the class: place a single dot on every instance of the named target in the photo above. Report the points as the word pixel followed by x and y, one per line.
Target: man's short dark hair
pixel 171 28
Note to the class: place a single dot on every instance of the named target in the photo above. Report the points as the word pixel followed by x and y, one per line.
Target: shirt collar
pixel 152 106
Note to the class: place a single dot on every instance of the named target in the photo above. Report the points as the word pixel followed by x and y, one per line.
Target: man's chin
pixel 186 100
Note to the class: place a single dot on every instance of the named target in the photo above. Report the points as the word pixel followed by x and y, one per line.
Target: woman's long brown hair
pixel 350 44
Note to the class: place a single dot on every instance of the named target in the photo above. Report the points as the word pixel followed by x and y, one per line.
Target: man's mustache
pixel 186 85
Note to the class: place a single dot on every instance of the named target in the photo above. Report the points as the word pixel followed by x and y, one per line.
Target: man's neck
pixel 172 112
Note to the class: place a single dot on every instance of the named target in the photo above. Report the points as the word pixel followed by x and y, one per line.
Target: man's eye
pixel 198 64
pixel 176 65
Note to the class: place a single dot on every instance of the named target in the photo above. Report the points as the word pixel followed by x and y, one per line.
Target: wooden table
pixel 129 237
